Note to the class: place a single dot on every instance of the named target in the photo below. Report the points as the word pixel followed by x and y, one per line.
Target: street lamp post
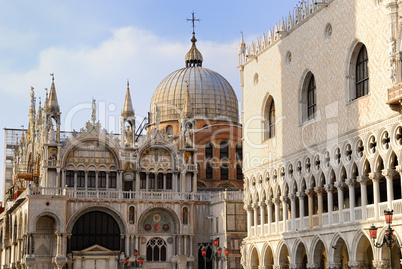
pixel 216 255
pixel 137 263
pixel 389 237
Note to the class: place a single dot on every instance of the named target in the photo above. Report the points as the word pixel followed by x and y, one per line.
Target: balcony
pixel 106 195
pixel 395 95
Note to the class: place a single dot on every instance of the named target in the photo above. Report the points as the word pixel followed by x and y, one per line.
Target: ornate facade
pixel 88 199
pixel 323 132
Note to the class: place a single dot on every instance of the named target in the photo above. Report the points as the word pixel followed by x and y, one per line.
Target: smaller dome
pixel 194 56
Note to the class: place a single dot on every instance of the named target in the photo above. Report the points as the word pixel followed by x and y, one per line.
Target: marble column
pixel 340 186
pixel 301 196
pixel 389 175
pixel 310 195
pixel 351 185
pixel 375 177
pixel 277 202
pixel 285 200
pixel 363 189
pixel 269 205
pixel 255 208
pixel 249 220
pixel 319 191
pixel 262 213
pixel 293 209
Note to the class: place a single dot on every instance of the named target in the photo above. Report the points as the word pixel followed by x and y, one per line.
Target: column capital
pixel 277 201
pixel 269 202
pixel 363 179
pixel 301 194
pixel 388 173
pixel 319 190
pixel 399 169
pixel 329 187
pixel 254 205
pixel 381 264
pixel 375 176
pixel 285 198
pixel 309 192
pixel 350 181
pixel 339 185
pixel 334 265
pixel 261 204
pixel 292 196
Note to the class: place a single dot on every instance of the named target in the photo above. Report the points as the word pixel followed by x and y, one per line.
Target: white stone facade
pixel 331 166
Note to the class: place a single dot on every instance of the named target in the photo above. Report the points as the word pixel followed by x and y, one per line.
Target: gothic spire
pixel 51 104
pixel 187 109
pixel 128 110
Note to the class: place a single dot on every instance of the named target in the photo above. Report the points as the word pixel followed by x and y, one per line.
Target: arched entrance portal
pixel 205 263
pixel 255 261
pixel 45 241
pixel 95 241
pixel 364 252
pixel 341 255
pixel 301 256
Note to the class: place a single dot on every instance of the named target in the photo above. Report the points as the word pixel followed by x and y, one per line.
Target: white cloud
pixel 101 71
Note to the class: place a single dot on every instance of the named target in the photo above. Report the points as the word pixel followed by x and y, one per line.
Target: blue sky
pixel 94 46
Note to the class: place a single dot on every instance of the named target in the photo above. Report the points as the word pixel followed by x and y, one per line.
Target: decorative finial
pixel 46 92
pixel 32 88
pixel 93 116
pixel 52 75
pixel 193 19
pixel 128 84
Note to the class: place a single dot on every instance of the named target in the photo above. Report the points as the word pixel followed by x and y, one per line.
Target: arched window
pixel 169 181
pixel 131 214
pixel 70 178
pixel 239 153
pixel 81 179
pixel 102 179
pixel 224 172
pixel 185 215
pixel 269 122
pixel 209 171
pixel 169 130
pixel 143 181
pixel 95 227
pixel 362 73
pixel 224 150
pixel 156 250
pixel 159 184
pixel 112 179
pixel 209 151
pixel 239 172
pixel 91 179
pixel 311 99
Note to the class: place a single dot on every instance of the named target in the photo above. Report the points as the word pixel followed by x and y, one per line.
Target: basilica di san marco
pixel 169 197
pixel 319 187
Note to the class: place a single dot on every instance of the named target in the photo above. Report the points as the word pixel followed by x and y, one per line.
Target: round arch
pixel 112 212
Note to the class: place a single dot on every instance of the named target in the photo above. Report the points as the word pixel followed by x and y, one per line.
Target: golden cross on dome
pixel 193 19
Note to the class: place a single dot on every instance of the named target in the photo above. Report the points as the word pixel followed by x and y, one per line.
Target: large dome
pixel 211 96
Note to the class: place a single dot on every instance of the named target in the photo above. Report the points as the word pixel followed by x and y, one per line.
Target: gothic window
pixel 169 130
pixel 102 179
pixel 224 172
pixel 185 215
pixel 224 150
pixel 112 179
pixel 156 250
pixel 169 181
pixel 269 118
pixel 209 151
pixel 95 228
pixel 160 181
pixel 81 179
pixel 151 183
pixel 239 172
pixel 70 178
pixel 209 171
pixel 91 179
pixel 239 153
pixel 131 214
pixel 311 99
pixel 143 181
pixel 362 73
